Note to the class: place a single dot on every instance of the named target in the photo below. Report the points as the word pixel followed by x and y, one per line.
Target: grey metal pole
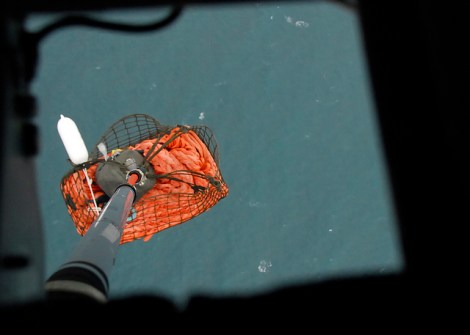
pixel 85 274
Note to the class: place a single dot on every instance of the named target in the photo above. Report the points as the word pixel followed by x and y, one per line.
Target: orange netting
pixel 188 180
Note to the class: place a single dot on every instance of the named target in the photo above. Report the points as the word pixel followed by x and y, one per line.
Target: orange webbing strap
pixel 174 134
pixel 133 179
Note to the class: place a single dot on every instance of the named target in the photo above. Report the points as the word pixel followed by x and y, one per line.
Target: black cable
pixel 31 40
pixel 76 20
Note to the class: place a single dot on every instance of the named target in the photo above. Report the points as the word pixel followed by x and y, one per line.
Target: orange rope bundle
pixel 188 183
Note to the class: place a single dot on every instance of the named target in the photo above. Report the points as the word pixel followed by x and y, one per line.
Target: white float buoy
pixel 72 140
pixel 75 147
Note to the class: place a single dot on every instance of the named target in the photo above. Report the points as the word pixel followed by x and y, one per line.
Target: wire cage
pixel 182 169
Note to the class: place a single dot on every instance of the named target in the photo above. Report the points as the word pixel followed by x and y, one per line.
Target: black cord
pixel 31 40
pixel 75 20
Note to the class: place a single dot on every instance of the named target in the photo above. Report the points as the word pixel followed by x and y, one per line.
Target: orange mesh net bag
pixel 182 178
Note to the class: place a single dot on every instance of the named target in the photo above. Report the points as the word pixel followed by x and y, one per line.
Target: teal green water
pixel 285 89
